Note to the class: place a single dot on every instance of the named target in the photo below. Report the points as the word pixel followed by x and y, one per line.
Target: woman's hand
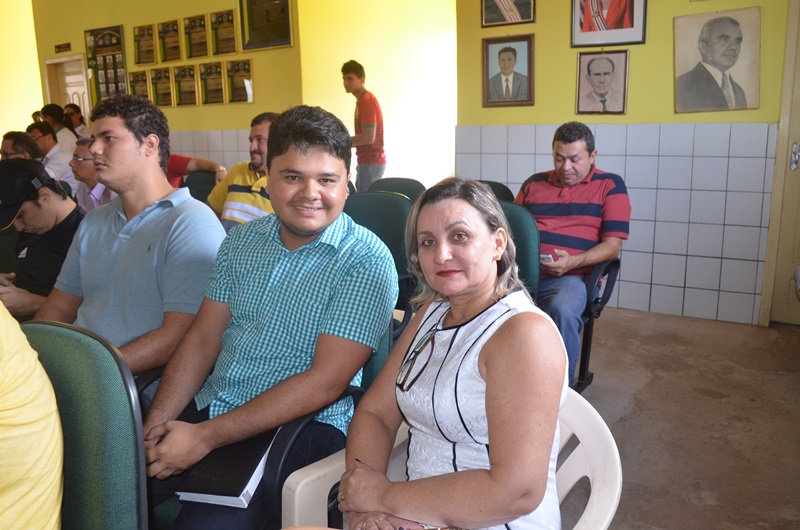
pixel 380 521
pixel 362 489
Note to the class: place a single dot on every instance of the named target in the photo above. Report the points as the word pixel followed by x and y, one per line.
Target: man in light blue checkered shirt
pixel 297 302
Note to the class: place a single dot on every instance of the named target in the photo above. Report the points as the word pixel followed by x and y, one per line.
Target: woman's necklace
pixel 470 317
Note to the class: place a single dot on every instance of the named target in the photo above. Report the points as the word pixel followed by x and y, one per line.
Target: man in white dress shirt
pixel 54 157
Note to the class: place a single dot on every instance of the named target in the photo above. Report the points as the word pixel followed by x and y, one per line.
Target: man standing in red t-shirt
pixel 368 139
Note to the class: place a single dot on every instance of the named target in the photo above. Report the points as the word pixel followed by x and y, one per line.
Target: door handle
pixel 794 157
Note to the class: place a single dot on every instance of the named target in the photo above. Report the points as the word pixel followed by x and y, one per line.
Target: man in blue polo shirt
pixel 138 266
pixel 296 304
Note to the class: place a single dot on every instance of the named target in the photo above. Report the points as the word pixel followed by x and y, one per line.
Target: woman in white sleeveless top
pixel 479 375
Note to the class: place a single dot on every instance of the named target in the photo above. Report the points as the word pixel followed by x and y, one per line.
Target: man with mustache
pixel 242 195
pixel 709 86
pixel 583 215
pixel 138 266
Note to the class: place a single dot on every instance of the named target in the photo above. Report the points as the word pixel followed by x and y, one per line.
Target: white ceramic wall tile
pixel 642 139
pixel 636 267
pixel 735 307
pixel 613 300
pixel 669 269
pixel 215 140
pixel 708 207
pixel 762 244
pixel 738 276
pixel 759 277
pixel 520 167
pixel 200 139
pixel 765 209
pixel 643 204
pixel 544 138
pixel 677 139
pixel 217 156
pixel 641 237
pixel 494 139
pixel 634 295
pixel 243 139
pixel 740 242
pixel 743 208
pixel 673 205
pixel 712 139
pixel 543 163
pixel 709 173
pixel 230 159
pixel 671 238
pixel 468 166
pixel 769 172
pixel 675 172
pixel 642 171
pixel 522 139
pixel 756 308
pixel 244 156
pixel 667 300
pixel 611 139
pixel 749 139
pixel 229 141
pixel 772 139
pixel 468 139
pixel 612 164
pixel 746 174
pixel 186 141
pixel 494 167
pixel 201 154
pixel 700 303
pixel 703 273
pixel 705 240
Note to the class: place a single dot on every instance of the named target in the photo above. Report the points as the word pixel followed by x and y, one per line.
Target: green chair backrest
pixel 104 468
pixel 409 187
pixel 200 184
pixel 500 190
pixel 8 249
pixel 525 234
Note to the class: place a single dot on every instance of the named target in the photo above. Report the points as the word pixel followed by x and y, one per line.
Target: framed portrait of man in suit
pixel 503 12
pixel 717 63
pixel 602 83
pixel 508 71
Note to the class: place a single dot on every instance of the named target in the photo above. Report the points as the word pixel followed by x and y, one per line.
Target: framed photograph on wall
pixel 240 81
pixel 144 44
pixel 265 23
pixel 602 82
pixel 194 30
pixel 185 85
pixel 717 61
pixel 223 32
pixel 211 83
pixel 161 83
pixel 608 22
pixel 138 83
pixel 508 71
pixel 105 56
pixel 169 40
pixel 503 12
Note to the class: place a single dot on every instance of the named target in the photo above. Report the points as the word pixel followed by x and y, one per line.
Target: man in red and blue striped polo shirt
pixel 583 215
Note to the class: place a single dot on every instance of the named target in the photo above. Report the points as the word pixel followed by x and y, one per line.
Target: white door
pixel 784 241
pixel 66 82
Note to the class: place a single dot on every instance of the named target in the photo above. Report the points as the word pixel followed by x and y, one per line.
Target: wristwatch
pixel 221 168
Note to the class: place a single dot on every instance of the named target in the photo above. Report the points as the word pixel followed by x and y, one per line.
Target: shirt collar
pixel 555 181
pixel 332 236
pixel 715 73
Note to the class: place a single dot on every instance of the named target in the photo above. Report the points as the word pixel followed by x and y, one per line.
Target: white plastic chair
pixel 305 492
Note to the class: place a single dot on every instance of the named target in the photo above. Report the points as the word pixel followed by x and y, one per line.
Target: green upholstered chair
pixel 200 184
pixel 385 214
pixel 104 465
pixel 500 190
pixel 409 187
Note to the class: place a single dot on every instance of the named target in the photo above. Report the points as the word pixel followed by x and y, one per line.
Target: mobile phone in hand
pixel 546 258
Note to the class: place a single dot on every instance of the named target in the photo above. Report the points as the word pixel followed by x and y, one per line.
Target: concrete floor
pixel 705 415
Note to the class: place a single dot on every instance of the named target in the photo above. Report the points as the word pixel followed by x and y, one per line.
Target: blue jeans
pixel 564 299
pixel 314 443
pixel 366 174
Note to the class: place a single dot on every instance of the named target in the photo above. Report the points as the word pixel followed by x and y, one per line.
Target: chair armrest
pixel 147 378
pixel 282 446
pixel 608 270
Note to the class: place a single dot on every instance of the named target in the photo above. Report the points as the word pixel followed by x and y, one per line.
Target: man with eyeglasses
pixel 242 195
pixel 54 157
pixel 46 219
pixel 91 193
pixel 18 144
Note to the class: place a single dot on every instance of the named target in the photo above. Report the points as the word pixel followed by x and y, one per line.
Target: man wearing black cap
pixel 46 219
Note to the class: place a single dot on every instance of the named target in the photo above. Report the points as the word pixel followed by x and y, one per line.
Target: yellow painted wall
pixel 20 92
pixel 651 68
pixel 276 78
pixel 410 67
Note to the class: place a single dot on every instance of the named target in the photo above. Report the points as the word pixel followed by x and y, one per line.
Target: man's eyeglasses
pixel 5 155
pixel 37 138
pixel 408 365
pixel 81 159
